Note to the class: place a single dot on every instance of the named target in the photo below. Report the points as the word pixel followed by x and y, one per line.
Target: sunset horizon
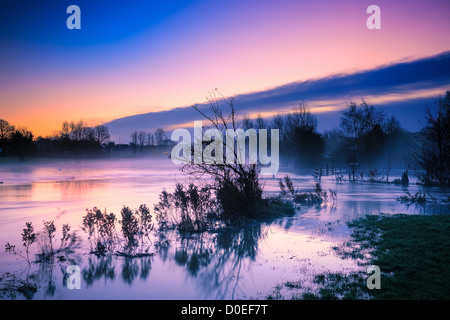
pixel 161 61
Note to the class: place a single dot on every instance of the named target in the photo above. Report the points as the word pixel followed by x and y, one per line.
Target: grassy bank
pixel 413 253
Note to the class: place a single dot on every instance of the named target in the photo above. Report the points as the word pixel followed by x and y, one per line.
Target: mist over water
pixel 239 263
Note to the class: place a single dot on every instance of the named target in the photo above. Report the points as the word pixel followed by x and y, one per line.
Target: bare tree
pixel 434 158
pixel 88 134
pixel 6 130
pixel 65 130
pixel 150 141
pixel 247 123
pixel 278 122
pixel 260 122
pixel 101 134
pixel 142 137
pixel 160 137
pixel 236 183
pixel 134 138
pixel 77 130
pixel 301 118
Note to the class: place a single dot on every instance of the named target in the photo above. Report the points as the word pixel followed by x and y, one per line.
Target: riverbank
pixel 412 252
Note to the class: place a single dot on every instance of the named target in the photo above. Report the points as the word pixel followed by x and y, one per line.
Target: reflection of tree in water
pixel 12 285
pixel 104 267
pixel 38 277
pixel 43 279
pixel 70 186
pixel 194 253
pixel 130 270
pixel 218 259
pixel 98 267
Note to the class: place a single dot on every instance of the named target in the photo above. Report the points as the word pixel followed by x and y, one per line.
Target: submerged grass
pixel 413 253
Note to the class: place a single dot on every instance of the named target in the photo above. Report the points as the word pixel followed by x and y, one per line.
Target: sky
pixel 139 57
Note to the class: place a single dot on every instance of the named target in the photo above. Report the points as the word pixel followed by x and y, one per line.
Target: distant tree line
pixel 74 139
pixel 366 137
pixel 364 134
pixel 300 143
pixel 16 141
pixel 149 140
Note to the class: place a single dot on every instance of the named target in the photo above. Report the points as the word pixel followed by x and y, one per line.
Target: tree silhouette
pixel 101 134
pixel 6 131
pixel 434 156
pixel 22 143
pixel 300 139
pixel 160 137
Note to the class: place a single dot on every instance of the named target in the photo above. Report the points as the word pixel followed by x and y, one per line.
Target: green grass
pixel 413 253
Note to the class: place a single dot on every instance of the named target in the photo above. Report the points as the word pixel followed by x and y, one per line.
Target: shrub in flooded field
pixel 145 223
pixel 229 176
pixel 130 228
pixel 404 181
pixel 374 176
pixel 193 209
pixel 28 238
pixel 186 209
pixel 164 211
pixel 101 229
pixel 136 228
pixel 309 198
pixel 47 236
pixel 45 239
pixel 418 198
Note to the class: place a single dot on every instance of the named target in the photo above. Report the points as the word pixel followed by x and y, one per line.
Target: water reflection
pixel 78 187
pixel 217 260
pixel 39 278
pixel 132 268
pixel 210 265
pixel 214 261
pixel 99 267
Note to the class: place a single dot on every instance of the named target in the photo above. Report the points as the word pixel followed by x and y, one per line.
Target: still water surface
pixel 244 263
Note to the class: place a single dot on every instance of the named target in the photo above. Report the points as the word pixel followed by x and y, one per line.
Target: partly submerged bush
pixel 239 197
pixel 186 209
pixel 418 198
pixel 45 240
pixel 47 237
pixel 136 227
pixel 404 181
pixel 28 238
pixel 130 227
pixel 193 209
pixel 46 243
pixel 101 229
pixel 308 198
pixel 145 225
pixel 234 184
pixel 374 176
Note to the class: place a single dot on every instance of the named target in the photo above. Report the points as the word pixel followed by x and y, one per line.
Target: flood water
pixel 244 263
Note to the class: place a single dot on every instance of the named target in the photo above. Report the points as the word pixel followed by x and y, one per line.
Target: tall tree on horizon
pixel 434 156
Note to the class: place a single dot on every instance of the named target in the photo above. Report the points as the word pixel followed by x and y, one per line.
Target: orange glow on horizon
pixel 146 73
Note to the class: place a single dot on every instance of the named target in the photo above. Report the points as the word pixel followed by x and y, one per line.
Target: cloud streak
pixel 384 86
